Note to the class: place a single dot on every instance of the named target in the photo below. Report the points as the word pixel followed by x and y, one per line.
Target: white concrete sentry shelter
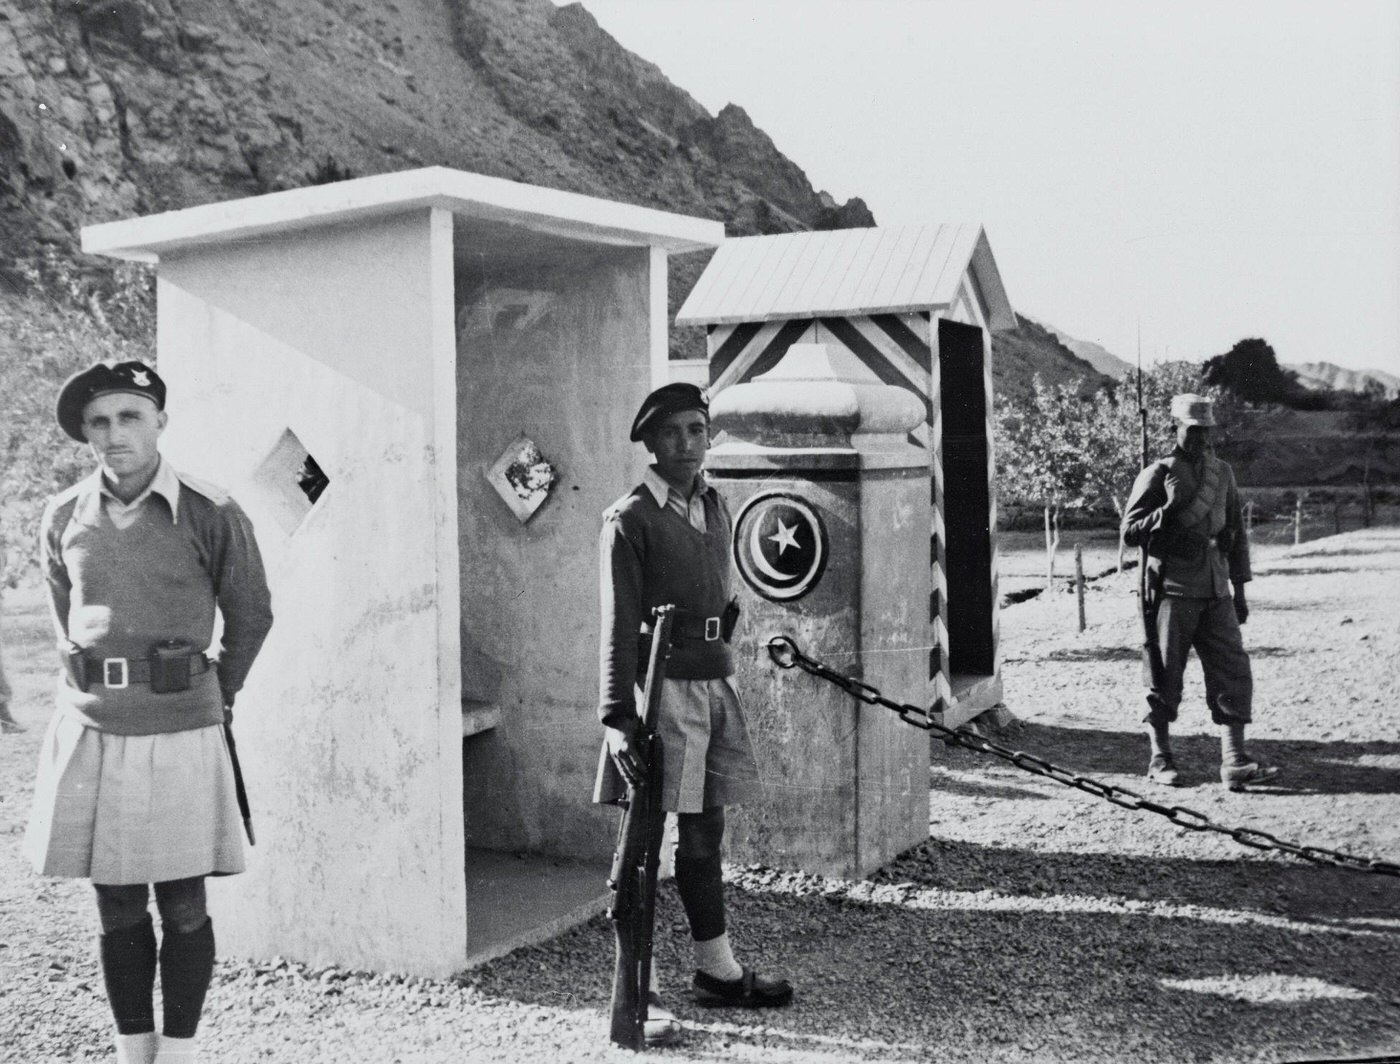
pixel 911 306
pixel 419 735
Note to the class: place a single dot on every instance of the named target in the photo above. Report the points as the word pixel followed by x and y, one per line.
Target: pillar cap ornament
pixel 810 400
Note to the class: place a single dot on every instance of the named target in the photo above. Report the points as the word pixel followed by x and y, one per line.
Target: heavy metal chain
pixel 786 655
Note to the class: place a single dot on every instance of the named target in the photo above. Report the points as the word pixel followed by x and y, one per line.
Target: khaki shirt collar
pixel 660 490
pixel 165 484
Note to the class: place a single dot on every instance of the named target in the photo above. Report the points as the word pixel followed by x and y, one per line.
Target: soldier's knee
pixel 122 906
pixel 700 836
pixel 182 904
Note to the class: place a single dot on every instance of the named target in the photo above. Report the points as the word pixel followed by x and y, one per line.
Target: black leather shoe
pixel 748 991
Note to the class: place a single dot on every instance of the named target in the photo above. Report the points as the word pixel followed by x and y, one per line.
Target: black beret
pixel 102 379
pixel 669 399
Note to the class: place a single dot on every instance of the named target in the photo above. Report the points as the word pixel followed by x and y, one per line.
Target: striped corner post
pixel 992 499
pixel 940 679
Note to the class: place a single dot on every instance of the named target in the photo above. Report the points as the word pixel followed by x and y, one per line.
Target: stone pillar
pixel 830 499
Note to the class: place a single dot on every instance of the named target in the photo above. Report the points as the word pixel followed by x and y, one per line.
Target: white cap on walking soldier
pixel 1191 409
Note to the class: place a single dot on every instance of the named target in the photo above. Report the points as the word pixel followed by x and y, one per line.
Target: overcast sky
pixel 1212 170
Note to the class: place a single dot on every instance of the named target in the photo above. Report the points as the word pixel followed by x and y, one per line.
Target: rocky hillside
pixel 1031 349
pixel 115 108
pixel 123 107
pixel 1098 356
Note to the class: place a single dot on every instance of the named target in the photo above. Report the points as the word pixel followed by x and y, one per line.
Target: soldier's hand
pixel 1241 607
pixel 619 741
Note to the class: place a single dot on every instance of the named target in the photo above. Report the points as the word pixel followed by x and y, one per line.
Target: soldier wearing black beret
pixel 135 785
pixel 668 541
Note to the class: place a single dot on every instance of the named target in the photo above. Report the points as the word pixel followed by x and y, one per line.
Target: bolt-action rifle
pixel 633 879
pixel 1149 590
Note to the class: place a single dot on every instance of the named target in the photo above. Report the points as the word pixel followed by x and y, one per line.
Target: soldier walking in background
pixel 1185 511
pixel 135 783
pixel 668 542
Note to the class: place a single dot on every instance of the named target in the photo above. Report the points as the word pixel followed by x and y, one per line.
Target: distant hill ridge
pixel 1324 376
pixel 1103 360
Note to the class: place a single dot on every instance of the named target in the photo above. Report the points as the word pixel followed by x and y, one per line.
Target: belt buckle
pixel 123 672
pixel 711 629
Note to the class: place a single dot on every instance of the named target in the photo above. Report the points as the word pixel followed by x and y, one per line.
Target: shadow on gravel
pixel 1315 571
pixel 972 953
pixel 963 786
pixel 1100 653
pixel 1310 767
pixel 1299 891
pixel 1111 653
pixel 1342 552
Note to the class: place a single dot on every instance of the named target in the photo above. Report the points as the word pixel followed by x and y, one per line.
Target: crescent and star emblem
pixel 780 546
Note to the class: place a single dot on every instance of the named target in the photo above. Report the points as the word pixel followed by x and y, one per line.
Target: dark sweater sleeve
pixel 1146 506
pixel 620 600
pixel 55 572
pixel 240 588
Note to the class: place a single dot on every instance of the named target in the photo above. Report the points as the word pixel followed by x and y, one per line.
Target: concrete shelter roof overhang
pixel 491 205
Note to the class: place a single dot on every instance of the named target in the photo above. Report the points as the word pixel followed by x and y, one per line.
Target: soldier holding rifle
pixel 668 542
pixel 136 783
pixel 1185 512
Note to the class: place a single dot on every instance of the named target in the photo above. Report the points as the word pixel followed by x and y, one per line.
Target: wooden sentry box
pixel 915 307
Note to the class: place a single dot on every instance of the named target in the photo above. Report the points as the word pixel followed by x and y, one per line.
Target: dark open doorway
pixel 967 507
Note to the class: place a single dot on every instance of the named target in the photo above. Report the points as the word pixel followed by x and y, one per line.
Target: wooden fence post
pixel 1079 580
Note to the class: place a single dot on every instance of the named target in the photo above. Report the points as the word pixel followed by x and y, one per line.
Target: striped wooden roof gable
pixel 845 272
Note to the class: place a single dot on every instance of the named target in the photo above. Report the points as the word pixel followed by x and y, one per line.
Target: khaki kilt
pixel 707 758
pixel 123 809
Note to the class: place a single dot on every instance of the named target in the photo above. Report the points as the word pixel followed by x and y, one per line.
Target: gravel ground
pixel 1037 923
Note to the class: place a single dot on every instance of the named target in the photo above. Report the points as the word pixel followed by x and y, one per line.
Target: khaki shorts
pixel 707 757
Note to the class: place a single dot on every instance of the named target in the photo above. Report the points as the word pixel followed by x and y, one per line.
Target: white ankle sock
pixel 714 957
pixel 136 1048
pixel 176 1050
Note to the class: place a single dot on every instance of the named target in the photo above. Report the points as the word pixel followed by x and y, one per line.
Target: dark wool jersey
pixel 1196 499
pixel 116 592
pixel 650 556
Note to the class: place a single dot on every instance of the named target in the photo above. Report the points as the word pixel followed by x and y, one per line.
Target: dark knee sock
pixel 700 883
pixel 186 967
pixel 128 960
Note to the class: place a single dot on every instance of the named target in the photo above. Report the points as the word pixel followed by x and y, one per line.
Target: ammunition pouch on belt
pixel 1179 546
pixel 169 668
pixel 687 626
pixel 692 627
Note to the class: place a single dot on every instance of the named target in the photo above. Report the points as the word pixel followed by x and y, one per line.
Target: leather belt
pixel 117 673
pixel 693 626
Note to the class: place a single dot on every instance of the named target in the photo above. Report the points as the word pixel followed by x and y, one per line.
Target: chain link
pixel 786 655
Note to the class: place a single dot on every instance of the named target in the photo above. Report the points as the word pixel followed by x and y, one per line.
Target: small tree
pixel 1251 371
pixel 1043 452
pixel 1064 451
pixel 65 322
